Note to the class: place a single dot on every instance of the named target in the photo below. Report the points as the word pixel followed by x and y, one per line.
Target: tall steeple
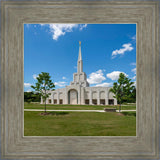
pixel 80 78
pixel 80 55
pixel 80 62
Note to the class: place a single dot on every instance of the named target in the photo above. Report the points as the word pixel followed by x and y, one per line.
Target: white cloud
pixel 115 75
pixel 29 90
pixel 58 30
pixel 27 25
pixel 43 24
pixel 121 51
pixel 82 26
pixel 61 29
pixel 60 84
pixel 27 84
pixel 134 77
pixel 63 77
pixel 135 84
pixel 96 77
pixel 134 70
pixel 133 64
pixel 105 84
pixel 35 76
pixel 134 37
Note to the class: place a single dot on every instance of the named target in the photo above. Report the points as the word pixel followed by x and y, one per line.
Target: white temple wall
pixel 102 94
pixel 76 77
pixel 85 95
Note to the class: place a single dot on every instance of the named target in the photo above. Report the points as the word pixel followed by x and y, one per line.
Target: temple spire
pixel 80 63
pixel 80 55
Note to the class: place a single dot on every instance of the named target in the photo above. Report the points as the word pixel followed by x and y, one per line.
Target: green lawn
pixel 80 124
pixel 75 107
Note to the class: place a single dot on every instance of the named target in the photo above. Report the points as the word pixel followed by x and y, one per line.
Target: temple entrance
pixel 72 97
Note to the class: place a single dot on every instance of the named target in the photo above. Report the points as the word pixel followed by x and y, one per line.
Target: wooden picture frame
pixel 15 145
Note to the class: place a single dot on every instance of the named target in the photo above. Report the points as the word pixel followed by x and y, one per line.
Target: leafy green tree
pixel 123 89
pixel 133 96
pixel 130 97
pixel 43 86
pixel 31 97
pixel 28 97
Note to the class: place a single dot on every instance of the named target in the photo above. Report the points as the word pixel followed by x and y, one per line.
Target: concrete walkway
pixel 75 110
pixel 126 110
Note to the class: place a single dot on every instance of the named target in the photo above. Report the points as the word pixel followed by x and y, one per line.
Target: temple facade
pixel 79 91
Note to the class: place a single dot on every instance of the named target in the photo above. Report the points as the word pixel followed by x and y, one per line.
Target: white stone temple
pixel 79 92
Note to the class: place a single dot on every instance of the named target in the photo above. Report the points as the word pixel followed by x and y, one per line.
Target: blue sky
pixel 107 50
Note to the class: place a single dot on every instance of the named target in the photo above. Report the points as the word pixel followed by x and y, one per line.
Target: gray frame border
pixel 144 145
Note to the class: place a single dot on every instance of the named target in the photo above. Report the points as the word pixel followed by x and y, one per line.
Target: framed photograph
pixel 31 32
pixel 88 93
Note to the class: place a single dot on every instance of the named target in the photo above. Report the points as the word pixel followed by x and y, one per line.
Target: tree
pixel 28 97
pixel 123 89
pixel 133 97
pixel 31 97
pixel 43 86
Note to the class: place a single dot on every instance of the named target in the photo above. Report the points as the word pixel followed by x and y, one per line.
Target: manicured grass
pixel 75 107
pixel 79 124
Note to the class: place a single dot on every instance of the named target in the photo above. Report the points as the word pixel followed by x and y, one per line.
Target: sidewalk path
pixel 126 110
pixel 75 110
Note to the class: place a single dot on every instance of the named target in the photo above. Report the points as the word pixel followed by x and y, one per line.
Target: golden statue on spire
pixel 79 42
